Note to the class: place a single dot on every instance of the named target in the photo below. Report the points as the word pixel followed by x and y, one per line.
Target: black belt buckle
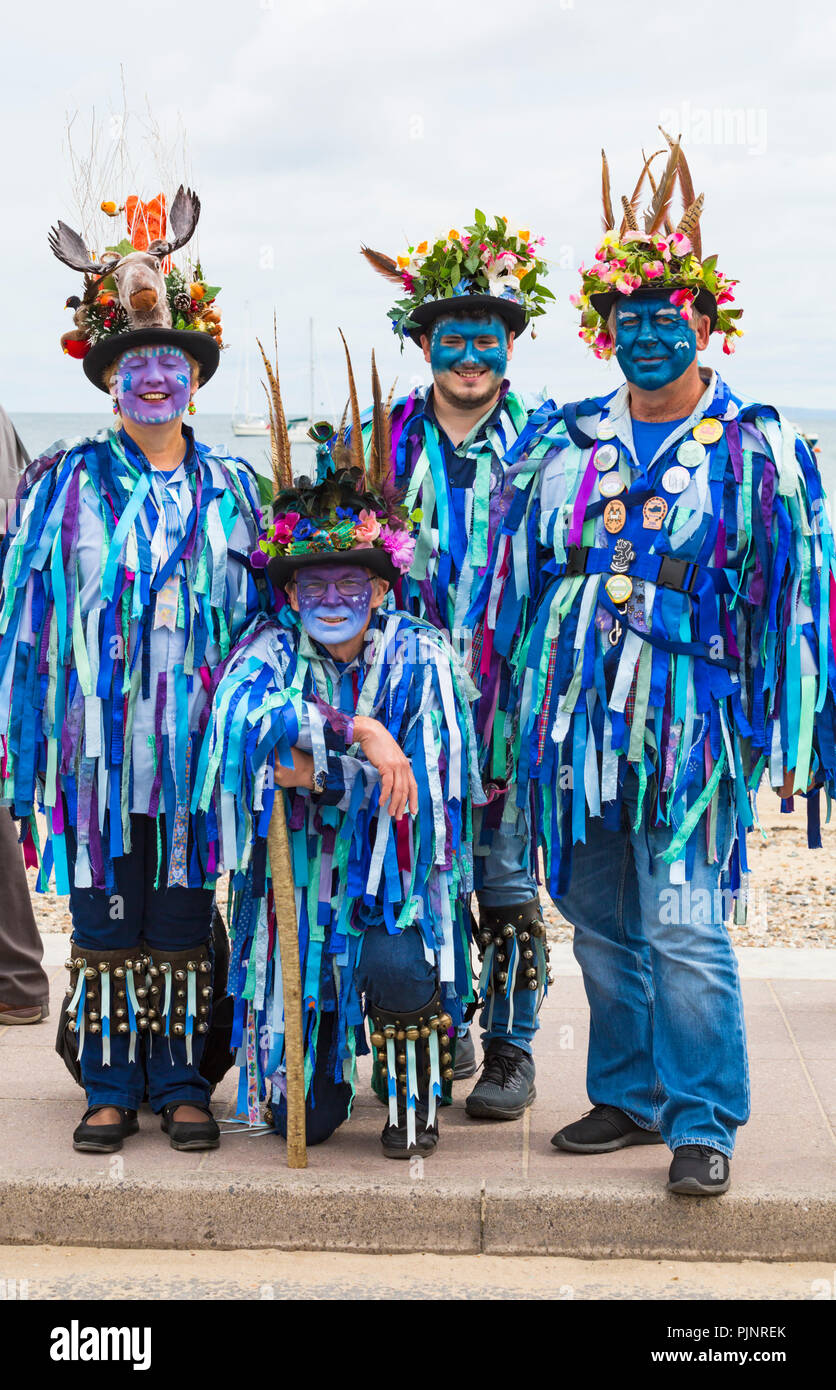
pixel 672 574
pixel 576 560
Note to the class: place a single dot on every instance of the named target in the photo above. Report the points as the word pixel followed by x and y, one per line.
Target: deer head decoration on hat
pixel 138 275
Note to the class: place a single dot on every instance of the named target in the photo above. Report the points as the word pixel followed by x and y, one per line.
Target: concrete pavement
pixel 490 1188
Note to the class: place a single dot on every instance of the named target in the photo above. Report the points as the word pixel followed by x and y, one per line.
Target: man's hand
pixel 300 775
pixel 785 791
pixel 398 787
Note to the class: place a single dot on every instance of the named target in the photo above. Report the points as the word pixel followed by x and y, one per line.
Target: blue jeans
pixel 667 1043
pixel 392 972
pixel 168 919
pixel 502 877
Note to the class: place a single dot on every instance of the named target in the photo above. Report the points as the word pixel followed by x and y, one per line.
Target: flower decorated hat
pixel 658 256
pixel 355 516
pixel 134 296
pixel 485 268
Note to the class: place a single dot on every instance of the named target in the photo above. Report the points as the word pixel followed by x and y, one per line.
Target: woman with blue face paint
pixel 465 301
pixel 125 583
pixel 361 719
pixel 679 649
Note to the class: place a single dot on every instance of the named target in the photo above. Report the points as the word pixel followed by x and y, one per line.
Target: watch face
pixel 319 780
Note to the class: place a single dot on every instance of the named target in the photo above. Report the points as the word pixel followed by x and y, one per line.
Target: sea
pixel 39 431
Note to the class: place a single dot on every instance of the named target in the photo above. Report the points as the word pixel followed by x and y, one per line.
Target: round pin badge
pixel 708 431
pixel 605 457
pixel 654 512
pixel 619 587
pixel 676 479
pixel 610 484
pixel 691 453
pixel 615 515
pixel 606 430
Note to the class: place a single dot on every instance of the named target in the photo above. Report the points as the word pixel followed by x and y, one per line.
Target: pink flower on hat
pixel 653 269
pixel 283 529
pixel 400 547
pixel 683 299
pixel 680 244
pixel 367 528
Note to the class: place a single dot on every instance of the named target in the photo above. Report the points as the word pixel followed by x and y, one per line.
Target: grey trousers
pixel 23 981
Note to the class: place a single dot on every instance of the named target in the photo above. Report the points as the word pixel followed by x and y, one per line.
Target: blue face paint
pixel 653 342
pixel 468 357
pixel 328 615
pixel 153 384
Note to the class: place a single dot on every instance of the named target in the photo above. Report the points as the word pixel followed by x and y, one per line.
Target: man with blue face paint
pixel 362 720
pixel 678 650
pixel 125 583
pixel 468 297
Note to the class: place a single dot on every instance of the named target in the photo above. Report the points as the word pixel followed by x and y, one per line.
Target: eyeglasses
pixel 349 587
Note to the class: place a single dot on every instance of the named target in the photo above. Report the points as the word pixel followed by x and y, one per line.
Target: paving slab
pixel 498 1188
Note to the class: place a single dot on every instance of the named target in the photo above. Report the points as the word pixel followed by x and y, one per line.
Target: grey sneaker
pixel 506 1088
pixel 465 1063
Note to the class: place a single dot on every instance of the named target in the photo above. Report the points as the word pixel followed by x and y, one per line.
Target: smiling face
pixel 152 385
pixel 335 601
pixel 653 343
pixel 468 356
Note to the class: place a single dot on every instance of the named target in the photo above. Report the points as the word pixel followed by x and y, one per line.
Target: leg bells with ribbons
pixel 414 1053
pixel 513 950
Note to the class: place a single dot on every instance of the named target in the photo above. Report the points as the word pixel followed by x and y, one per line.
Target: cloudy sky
pixel 316 126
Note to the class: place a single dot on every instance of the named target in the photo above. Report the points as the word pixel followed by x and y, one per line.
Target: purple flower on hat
pixel 400 547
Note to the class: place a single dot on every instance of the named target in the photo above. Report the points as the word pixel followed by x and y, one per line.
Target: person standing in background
pixel 24 987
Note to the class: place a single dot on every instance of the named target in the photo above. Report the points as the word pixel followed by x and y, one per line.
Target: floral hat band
pixel 355 513
pixel 485 266
pixel 657 258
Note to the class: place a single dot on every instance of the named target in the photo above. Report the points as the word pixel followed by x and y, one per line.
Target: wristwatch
pixel 320 780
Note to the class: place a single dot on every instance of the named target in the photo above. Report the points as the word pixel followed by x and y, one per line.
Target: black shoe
pixel 505 1089
pixel 104 1139
pixel 189 1134
pixel 394 1142
pixel 699 1171
pixel 601 1130
pixel 465 1063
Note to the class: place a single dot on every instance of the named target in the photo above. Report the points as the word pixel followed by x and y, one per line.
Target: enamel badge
pixel 610 484
pixel 654 512
pixel 605 457
pixel 615 515
pixel 606 430
pixel 619 587
pixel 708 431
pixel 676 479
pixel 622 557
pixel 691 453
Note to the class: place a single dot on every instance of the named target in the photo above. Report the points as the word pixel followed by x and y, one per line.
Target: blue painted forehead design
pixel 153 351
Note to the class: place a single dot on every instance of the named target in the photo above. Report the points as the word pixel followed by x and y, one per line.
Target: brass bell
pixel 104 967
pixel 179 1030
pixel 71 1024
pixel 400 1035
pixel 412 1034
pixel 179 974
pixel 381 1057
pixel 377 1039
pixel 79 963
pixel 123 1028
pixel 204 1009
pixel 190 965
pixel 155 1025
pixel 95 1028
pixel 531 972
pixel 129 965
pixel 508 932
pixel 401 1059
pixel 524 936
pixel 502 977
pixel 206 993
pixel 141 993
pixel 448 1074
pixel 445 1021
pixel 424 1031
pixel 92 1015
pixel 528 955
pixel 180 1010
pixel 90 973
pixel 153 972
pixel 204 967
pixel 120 1013
pixel 203 1028
pixel 119 972
pixel 69 965
pixel 164 967
pixel 532 984
pixel 500 957
pixel 143 1022
pixel 446 1059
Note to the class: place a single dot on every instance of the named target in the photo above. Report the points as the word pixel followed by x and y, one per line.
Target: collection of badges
pixel 675 480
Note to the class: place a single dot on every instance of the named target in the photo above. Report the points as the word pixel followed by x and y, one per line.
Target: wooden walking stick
pixel 287 940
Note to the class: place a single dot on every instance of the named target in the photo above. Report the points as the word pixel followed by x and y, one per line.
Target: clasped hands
pixel 398 788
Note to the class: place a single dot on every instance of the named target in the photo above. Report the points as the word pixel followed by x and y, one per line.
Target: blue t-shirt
pixel 649 435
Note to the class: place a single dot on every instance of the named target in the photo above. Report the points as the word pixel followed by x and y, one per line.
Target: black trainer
pixel 393 1137
pixel 190 1134
pixel 601 1130
pixel 465 1063
pixel 506 1088
pixel 104 1139
pixel 699 1171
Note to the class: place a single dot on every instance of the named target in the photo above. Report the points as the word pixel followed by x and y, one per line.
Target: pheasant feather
pixel 384 265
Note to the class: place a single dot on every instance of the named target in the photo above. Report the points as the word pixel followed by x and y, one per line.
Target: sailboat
pixel 247 422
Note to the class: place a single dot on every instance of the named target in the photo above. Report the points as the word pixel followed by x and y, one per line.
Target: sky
pixel 315 127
